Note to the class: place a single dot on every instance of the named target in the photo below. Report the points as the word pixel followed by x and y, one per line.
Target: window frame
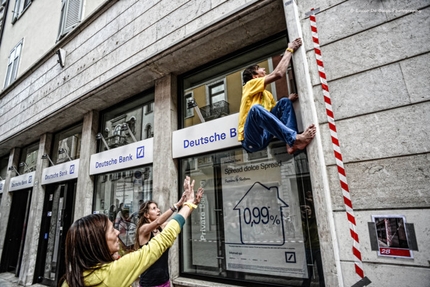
pixel 20 7
pixel 211 85
pixel 13 64
pixel 64 29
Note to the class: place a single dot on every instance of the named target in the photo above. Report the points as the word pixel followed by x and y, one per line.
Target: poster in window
pixel 262 217
pixel 392 236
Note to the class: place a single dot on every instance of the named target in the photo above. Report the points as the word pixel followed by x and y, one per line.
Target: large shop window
pixel 128 122
pixel 119 195
pixel 256 222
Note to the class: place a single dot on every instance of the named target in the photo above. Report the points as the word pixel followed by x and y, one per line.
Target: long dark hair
pixel 86 248
pixel 144 207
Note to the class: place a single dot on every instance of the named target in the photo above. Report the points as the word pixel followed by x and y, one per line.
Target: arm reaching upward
pixel 281 68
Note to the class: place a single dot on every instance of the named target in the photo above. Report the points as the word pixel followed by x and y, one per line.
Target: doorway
pixel 16 231
pixel 56 219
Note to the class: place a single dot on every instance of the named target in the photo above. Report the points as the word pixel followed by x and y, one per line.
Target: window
pixel 217 90
pixel 128 122
pixel 119 195
pixel 256 221
pixel 28 158
pixel 148 132
pixel 67 144
pixel 12 66
pixel 20 7
pixel 71 14
pixel 149 108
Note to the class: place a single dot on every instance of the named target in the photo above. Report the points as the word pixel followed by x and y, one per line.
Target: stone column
pixel 31 245
pixel 85 185
pixel 6 200
pixel 165 170
pixel 317 166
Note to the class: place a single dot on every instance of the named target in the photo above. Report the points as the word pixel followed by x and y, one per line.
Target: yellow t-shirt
pixel 124 271
pixel 253 93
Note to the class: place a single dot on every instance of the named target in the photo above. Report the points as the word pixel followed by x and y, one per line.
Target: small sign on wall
pixel 391 237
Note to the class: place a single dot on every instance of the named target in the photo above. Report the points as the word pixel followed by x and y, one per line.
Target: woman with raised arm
pixel 151 223
pixel 92 240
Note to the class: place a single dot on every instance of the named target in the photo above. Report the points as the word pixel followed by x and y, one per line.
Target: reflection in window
pixel 119 195
pixel 149 108
pixel 67 144
pixel 129 122
pixel 256 221
pixel 189 109
pixel 28 158
pixel 217 90
pixel 148 131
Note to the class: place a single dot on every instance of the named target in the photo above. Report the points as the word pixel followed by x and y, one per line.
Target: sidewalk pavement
pixel 8 279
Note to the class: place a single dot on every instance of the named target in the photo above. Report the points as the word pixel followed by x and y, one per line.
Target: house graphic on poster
pixel 260 216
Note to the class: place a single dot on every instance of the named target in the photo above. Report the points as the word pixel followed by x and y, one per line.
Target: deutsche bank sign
pixel 60 172
pixel 209 136
pixel 131 155
pixel 22 181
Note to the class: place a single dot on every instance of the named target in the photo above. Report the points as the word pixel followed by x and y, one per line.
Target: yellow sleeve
pixel 124 271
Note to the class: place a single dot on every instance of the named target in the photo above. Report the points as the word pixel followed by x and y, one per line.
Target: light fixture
pixel 14 169
pixel 99 136
pixel 192 104
pixel 1 178
pixel 25 165
pixel 61 53
pixel 125 127
pixel 63 150
pixel 46 156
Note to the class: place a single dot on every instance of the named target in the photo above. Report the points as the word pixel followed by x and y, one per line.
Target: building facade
pixel 106 104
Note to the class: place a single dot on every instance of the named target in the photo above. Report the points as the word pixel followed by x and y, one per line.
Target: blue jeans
pixel 261 126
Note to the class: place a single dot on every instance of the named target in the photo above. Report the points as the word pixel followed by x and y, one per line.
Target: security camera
pixel 61 53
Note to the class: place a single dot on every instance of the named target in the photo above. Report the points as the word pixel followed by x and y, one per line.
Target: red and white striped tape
pixel 337 153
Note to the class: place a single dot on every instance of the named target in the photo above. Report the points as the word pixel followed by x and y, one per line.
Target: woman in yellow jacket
pixel 92 241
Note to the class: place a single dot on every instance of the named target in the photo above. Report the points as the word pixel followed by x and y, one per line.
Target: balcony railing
pixel 216 110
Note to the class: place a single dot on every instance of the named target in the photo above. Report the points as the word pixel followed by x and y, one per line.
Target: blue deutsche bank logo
pixel 30 178
pixel 140 152
pixel 72 169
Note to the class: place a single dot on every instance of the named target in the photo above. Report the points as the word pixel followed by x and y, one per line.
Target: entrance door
pixel 56 220
pixel 16 230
